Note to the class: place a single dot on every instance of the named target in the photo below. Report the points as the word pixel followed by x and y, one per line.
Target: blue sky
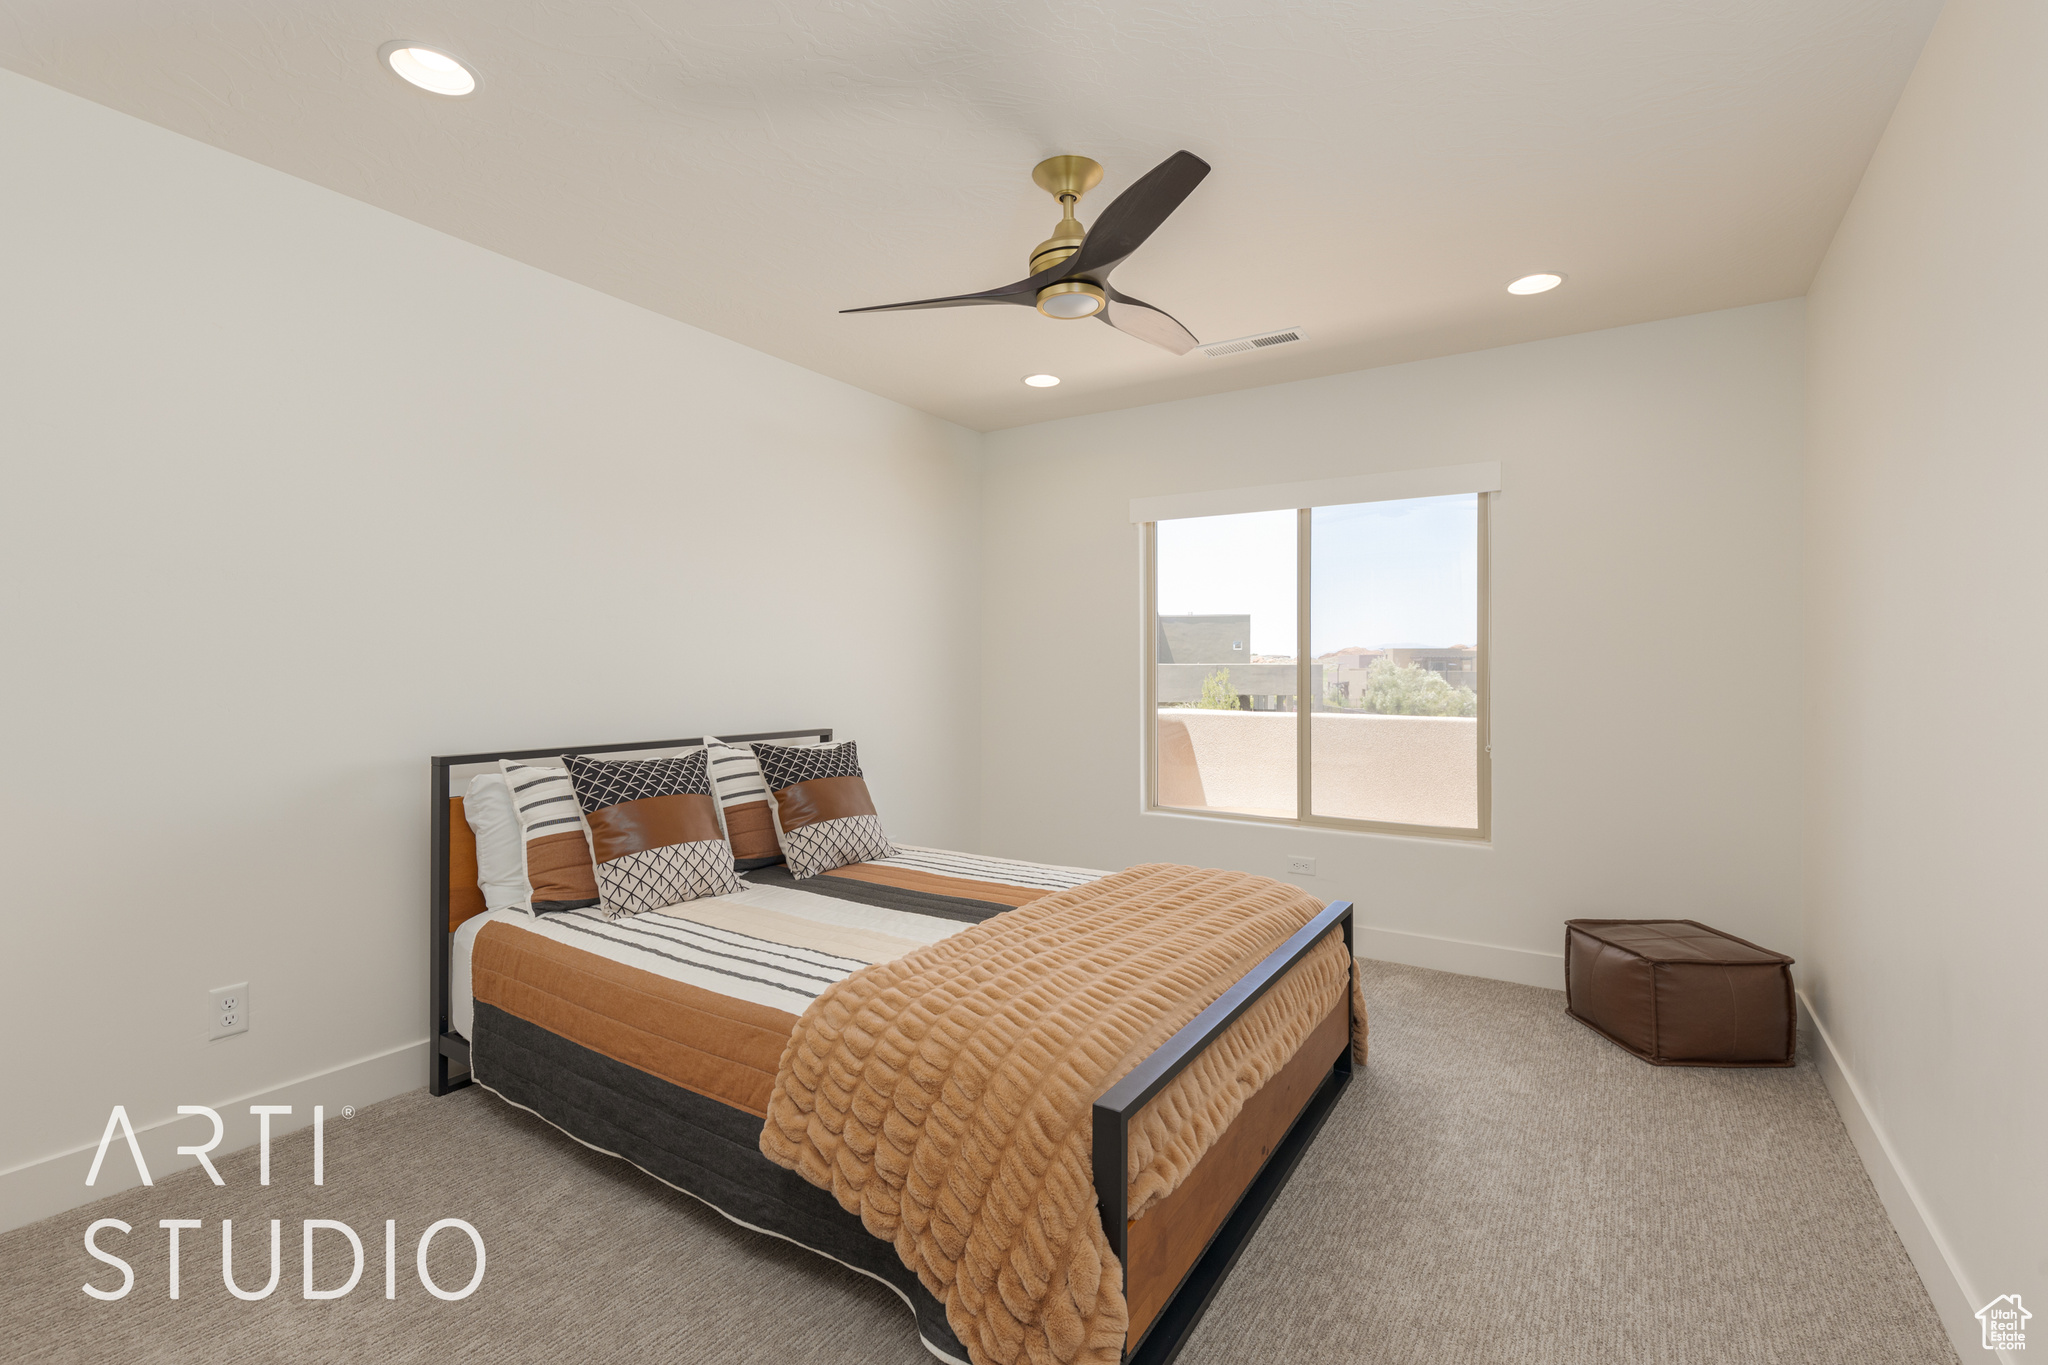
pixel 1385 573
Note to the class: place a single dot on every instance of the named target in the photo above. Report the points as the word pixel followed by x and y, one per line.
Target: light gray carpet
pixel 1498 1185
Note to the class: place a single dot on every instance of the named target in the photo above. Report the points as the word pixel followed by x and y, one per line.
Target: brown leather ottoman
pixel 1678 993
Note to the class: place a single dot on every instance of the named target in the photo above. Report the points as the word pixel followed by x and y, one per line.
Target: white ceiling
pixel 752 166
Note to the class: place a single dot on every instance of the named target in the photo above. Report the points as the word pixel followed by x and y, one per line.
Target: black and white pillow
pixel 654 831
pixel 823 814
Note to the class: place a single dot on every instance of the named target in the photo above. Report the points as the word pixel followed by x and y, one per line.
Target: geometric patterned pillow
pixel 654 831
pixel 822 807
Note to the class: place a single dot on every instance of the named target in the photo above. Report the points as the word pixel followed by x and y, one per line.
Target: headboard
pixel 452 891
pixel 465 897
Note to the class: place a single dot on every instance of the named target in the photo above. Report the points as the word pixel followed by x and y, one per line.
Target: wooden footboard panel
pixel 1164 1245
pixel 1178 1253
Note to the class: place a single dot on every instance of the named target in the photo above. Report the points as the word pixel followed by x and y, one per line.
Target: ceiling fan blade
pixel 1136 214
pixel 1146 323
pixel 1023 291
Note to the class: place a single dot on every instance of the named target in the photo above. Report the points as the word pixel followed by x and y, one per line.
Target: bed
pixel 656 1039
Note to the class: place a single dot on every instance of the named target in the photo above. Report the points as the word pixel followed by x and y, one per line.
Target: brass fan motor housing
pixel 1065 178
pixel 1066 239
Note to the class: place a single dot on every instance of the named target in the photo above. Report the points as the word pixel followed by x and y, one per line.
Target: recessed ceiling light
pixel 428 68
pixel 1535 284
pixel 1041 381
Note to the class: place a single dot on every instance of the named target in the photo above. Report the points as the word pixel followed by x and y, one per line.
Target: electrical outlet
pixel 1301 867
pixel 230 1010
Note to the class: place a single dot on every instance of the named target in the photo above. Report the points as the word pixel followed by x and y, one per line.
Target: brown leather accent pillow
pixel 821 803
pixel 654 829
pixel 651 822
pixel 823 798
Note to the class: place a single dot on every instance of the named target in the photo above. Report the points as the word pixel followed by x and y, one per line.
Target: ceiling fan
pixel 1070 269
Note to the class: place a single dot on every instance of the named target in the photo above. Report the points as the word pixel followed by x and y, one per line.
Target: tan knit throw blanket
pixel 945 1097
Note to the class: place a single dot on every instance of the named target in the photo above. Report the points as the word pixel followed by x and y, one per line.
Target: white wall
pixel 1649 515
pixel 299 493
pixel 1927 862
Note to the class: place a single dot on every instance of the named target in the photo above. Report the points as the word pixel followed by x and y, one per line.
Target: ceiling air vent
pixel 1255 343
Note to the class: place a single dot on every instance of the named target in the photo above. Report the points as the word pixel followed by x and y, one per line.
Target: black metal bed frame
pixel 1113 1110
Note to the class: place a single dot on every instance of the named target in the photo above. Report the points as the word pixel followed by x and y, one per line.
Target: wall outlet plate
pixel 229 1010
pixel 1301 867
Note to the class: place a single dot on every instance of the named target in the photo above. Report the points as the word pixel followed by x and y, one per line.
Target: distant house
pixel 1192 648
pixel 1457 665
pixel 1205 639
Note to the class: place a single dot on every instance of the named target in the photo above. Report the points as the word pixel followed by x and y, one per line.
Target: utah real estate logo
pixel 2005 1323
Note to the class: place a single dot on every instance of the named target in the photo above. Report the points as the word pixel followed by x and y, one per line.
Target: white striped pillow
pixel 743 803
pixel 554 838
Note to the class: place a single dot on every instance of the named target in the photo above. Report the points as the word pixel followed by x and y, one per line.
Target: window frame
pixel 1304 757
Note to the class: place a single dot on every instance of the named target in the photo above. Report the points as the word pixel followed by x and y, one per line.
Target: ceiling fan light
pixel 1071 299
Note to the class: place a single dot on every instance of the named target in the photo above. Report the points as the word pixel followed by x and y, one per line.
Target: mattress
pixel 656 1038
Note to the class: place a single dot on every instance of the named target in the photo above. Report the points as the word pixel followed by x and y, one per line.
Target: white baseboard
pixel 1954 1298
pixel 1522 965
pixel 41 1189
